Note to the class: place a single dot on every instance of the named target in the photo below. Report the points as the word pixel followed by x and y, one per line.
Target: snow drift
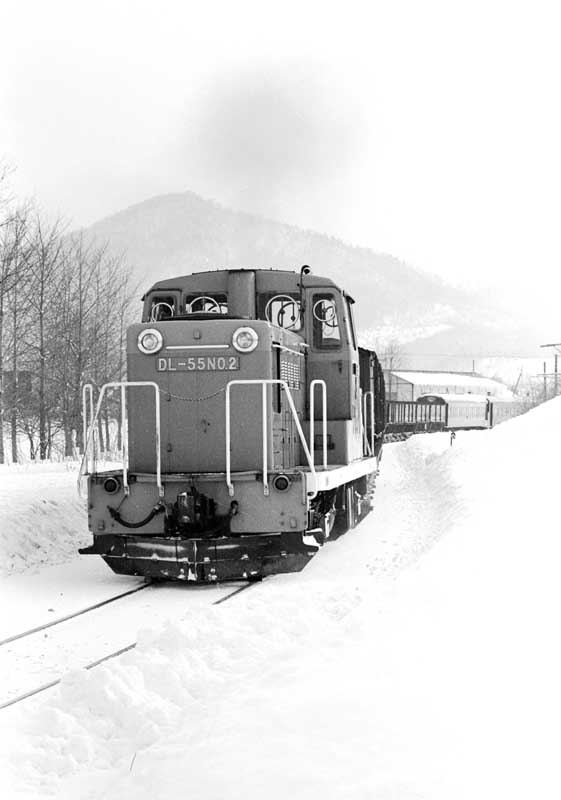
pixel 42 520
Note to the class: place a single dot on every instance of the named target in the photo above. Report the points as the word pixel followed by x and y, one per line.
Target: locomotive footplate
pixel 248 557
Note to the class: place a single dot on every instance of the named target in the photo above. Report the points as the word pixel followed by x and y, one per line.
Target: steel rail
pixel 115 654
pixel 71 616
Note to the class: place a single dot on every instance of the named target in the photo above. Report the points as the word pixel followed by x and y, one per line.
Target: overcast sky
pixel 430 130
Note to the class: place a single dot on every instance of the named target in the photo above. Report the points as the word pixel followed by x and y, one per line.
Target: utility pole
pixel 555 374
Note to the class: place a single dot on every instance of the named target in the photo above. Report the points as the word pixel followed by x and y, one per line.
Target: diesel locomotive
pixel 252 428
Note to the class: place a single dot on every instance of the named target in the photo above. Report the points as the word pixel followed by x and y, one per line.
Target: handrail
pixel 264 383
pixel 313 384
pixel 365 442
pixel 87 396
pixel 365 398
pixel 125 437
pixel 123 385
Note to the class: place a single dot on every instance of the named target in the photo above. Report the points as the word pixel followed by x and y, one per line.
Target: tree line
pixel 64 307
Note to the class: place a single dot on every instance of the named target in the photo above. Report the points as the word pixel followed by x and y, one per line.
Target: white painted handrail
pixel 90 437
pixel 365 442
pixel 322 384
pixel 264 383
pixel 87 406
pixel 366 397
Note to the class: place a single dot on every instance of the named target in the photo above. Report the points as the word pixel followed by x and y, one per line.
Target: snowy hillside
pixel 415 657
pixel 177 234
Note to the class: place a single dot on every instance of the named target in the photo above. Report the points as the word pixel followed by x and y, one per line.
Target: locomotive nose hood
pixel 192 362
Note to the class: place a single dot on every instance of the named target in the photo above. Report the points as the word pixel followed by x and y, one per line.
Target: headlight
pixel 245 340
pixel 150 341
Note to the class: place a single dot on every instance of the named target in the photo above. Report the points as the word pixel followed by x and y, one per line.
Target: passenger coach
pixel 470 411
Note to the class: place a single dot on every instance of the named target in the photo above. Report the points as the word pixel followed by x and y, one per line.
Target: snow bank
pixel 42 520
pixel 374 673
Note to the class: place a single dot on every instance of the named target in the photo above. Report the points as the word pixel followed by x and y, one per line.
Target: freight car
pixel 252 428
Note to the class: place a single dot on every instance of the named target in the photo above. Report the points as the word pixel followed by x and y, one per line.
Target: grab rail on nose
pixel 264 418
pixel 90 434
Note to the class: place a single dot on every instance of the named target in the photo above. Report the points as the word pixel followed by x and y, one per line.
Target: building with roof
pixel 404 384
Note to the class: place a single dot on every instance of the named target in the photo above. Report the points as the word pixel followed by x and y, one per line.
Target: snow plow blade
pixel 203 560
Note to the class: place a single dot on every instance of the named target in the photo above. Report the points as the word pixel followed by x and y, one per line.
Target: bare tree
pixel 4 261
pixel 94 302
pixel 14 263
pixel 13 266
pixel 64 308
pixel 391 358
pixel 44 300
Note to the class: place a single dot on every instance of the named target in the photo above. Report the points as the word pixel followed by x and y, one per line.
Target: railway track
pixel 67 617
pixel 18 638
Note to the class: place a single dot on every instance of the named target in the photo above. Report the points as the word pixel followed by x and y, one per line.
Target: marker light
pixel 281 483
pixel 111 485
pixel 150 341
pixel 245 340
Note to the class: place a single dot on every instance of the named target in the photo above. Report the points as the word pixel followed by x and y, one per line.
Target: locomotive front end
pixel 212 412
pixel 252 427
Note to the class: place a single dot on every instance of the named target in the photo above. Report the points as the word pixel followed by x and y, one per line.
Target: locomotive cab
pixel 252 422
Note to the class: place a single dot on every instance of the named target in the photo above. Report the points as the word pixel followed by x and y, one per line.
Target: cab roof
pixel 265 279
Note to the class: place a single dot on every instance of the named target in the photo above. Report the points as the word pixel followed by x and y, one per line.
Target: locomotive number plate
pixel 197 363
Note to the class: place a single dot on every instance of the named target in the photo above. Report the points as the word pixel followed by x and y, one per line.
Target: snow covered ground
pixel 42 520
pixel 415 657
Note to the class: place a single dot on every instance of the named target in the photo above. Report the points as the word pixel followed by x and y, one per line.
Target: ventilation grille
pixel 290 372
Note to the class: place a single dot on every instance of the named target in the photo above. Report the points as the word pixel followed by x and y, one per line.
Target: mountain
pixel 175 234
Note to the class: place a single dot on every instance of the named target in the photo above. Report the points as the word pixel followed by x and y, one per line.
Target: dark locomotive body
pixel 253 428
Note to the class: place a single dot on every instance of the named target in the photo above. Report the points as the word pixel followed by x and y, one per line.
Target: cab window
pixel 162 307
pixel 325 322
pixel 213 303
pixel 281 310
